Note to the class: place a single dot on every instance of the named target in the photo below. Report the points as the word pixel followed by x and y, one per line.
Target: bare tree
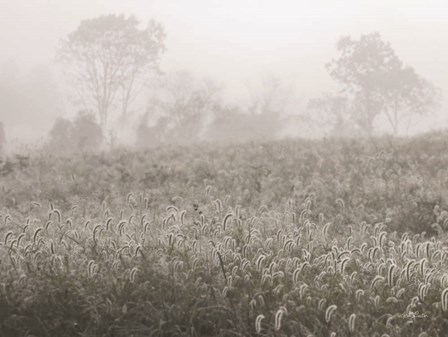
pixel 183 103
pixel 110 56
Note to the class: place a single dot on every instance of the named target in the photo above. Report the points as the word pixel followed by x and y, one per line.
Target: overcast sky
pixel 234 41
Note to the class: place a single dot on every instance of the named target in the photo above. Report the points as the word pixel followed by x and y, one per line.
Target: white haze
pixel 238 42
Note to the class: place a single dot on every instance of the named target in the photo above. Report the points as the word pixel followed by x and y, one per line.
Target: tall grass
pixel 203 244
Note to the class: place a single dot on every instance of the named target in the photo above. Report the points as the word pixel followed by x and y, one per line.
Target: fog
pixel 246 55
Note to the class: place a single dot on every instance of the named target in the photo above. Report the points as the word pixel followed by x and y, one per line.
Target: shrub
pixel 82 134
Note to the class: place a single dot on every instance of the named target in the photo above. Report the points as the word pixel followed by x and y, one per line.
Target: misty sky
pixel 234 41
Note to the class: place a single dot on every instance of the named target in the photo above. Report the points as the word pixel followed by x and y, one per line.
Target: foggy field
pixel 237 168
pixel 290 238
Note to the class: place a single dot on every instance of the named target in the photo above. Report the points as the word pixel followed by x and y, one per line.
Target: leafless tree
pixel 109 58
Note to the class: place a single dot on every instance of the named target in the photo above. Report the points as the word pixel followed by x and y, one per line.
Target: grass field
pixel 289 238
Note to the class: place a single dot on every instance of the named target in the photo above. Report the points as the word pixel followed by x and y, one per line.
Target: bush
pixel 150 136
pixel 87 134
pixel 82 134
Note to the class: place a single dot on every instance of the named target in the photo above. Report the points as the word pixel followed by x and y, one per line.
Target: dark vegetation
pixel 263 239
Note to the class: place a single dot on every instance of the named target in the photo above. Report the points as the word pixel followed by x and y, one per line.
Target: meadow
pixel 288 238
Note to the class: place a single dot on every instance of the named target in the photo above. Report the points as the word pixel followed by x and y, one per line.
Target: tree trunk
pixel 395 122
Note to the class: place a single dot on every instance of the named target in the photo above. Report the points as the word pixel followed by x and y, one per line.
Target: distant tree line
pixel 185 110
pixel 110 60
pixel 112 64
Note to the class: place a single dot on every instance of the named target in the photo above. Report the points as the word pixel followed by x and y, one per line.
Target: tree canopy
pixel 379 82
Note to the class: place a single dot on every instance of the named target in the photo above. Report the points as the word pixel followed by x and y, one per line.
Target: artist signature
pixel 412 314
